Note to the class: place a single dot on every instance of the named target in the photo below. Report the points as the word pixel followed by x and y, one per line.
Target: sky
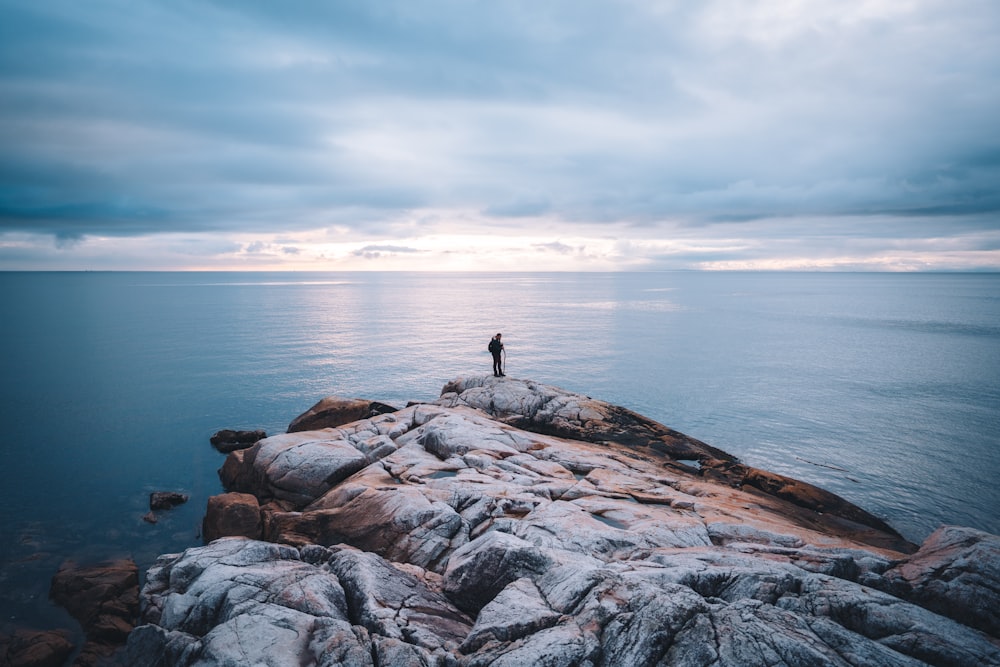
pixel 501 135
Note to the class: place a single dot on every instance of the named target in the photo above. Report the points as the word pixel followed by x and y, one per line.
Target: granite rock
pixel 510 523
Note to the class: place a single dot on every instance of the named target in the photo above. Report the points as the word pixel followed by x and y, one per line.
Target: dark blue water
pixel 884 388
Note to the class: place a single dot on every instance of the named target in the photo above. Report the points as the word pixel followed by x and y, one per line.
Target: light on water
pixel 883 388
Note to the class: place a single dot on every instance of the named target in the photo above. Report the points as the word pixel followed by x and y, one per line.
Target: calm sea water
pixel 884 388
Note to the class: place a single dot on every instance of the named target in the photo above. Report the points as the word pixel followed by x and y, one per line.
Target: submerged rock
pixel 35 648
pixel 104 598
pixel 509 523
pixel 164 500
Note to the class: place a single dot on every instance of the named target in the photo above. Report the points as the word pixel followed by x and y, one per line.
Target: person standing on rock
pixel 496 347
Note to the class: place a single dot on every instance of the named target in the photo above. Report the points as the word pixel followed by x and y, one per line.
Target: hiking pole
pixel 503 362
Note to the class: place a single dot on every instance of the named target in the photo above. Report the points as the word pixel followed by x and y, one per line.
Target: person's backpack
pixel 494 346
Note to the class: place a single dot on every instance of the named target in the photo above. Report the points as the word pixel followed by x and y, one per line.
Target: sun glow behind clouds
pixel 435 244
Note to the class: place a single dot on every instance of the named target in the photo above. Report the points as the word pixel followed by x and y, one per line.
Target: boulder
pixel 334 411
pixel 164 500
pixel 104 598
pixel 232 514
pixel 228 440
pixel 35 648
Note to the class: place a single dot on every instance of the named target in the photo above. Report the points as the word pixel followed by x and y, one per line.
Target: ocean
pixel 883 388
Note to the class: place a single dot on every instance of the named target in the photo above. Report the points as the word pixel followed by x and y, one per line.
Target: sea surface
pixel 883 388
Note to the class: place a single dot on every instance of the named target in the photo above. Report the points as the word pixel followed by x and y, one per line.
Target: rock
pixel 219 604
pixel 299 467
pixel 150 517
pixel 545 409
pixel 550 410
pixel 517 611
pixel 231 514
pixel 393 603
pixel 956 573
pixel 228 440
pixel 104 598
pixel 334 411
pixel 447 534
pixel 35 648
pixel 164 500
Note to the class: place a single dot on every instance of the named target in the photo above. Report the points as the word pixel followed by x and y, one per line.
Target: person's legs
pixel 496 365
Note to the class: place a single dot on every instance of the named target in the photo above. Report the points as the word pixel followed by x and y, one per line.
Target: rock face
pixel 510 523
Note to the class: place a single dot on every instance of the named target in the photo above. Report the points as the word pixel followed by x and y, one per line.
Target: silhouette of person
pixel 496 347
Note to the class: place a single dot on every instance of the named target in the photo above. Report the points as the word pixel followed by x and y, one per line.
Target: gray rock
pixel 956 573
pixel 445 534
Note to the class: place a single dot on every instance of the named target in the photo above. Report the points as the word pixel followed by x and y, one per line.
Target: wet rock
pixel 104 598
pixel 232 514
pixel 164 500
pixel 334 411
pixel 228 440
pixel 35 648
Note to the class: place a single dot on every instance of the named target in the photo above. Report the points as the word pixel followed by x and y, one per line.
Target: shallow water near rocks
pixel 883 388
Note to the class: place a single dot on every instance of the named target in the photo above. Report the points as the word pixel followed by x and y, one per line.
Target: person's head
pixel 497 336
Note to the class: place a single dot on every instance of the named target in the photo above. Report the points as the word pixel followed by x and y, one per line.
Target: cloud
pixel 383 123
pixel 379 251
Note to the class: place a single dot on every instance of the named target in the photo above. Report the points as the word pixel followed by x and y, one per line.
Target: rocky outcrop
pixel 465 532
pixel 334 411
pixel 104 598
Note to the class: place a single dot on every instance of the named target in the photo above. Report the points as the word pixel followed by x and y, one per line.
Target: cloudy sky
pixel 451 134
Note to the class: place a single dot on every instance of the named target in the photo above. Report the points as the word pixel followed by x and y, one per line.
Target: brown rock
pixel 232 514
pixel 164 500
pixel 104 598
pixel 233 474
pixel 228 440
pixel 35 648
pixel 334 411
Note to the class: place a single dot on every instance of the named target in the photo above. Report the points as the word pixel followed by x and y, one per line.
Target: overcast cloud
pixel 450 134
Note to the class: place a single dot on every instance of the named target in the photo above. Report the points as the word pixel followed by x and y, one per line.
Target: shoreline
pixel 293 489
